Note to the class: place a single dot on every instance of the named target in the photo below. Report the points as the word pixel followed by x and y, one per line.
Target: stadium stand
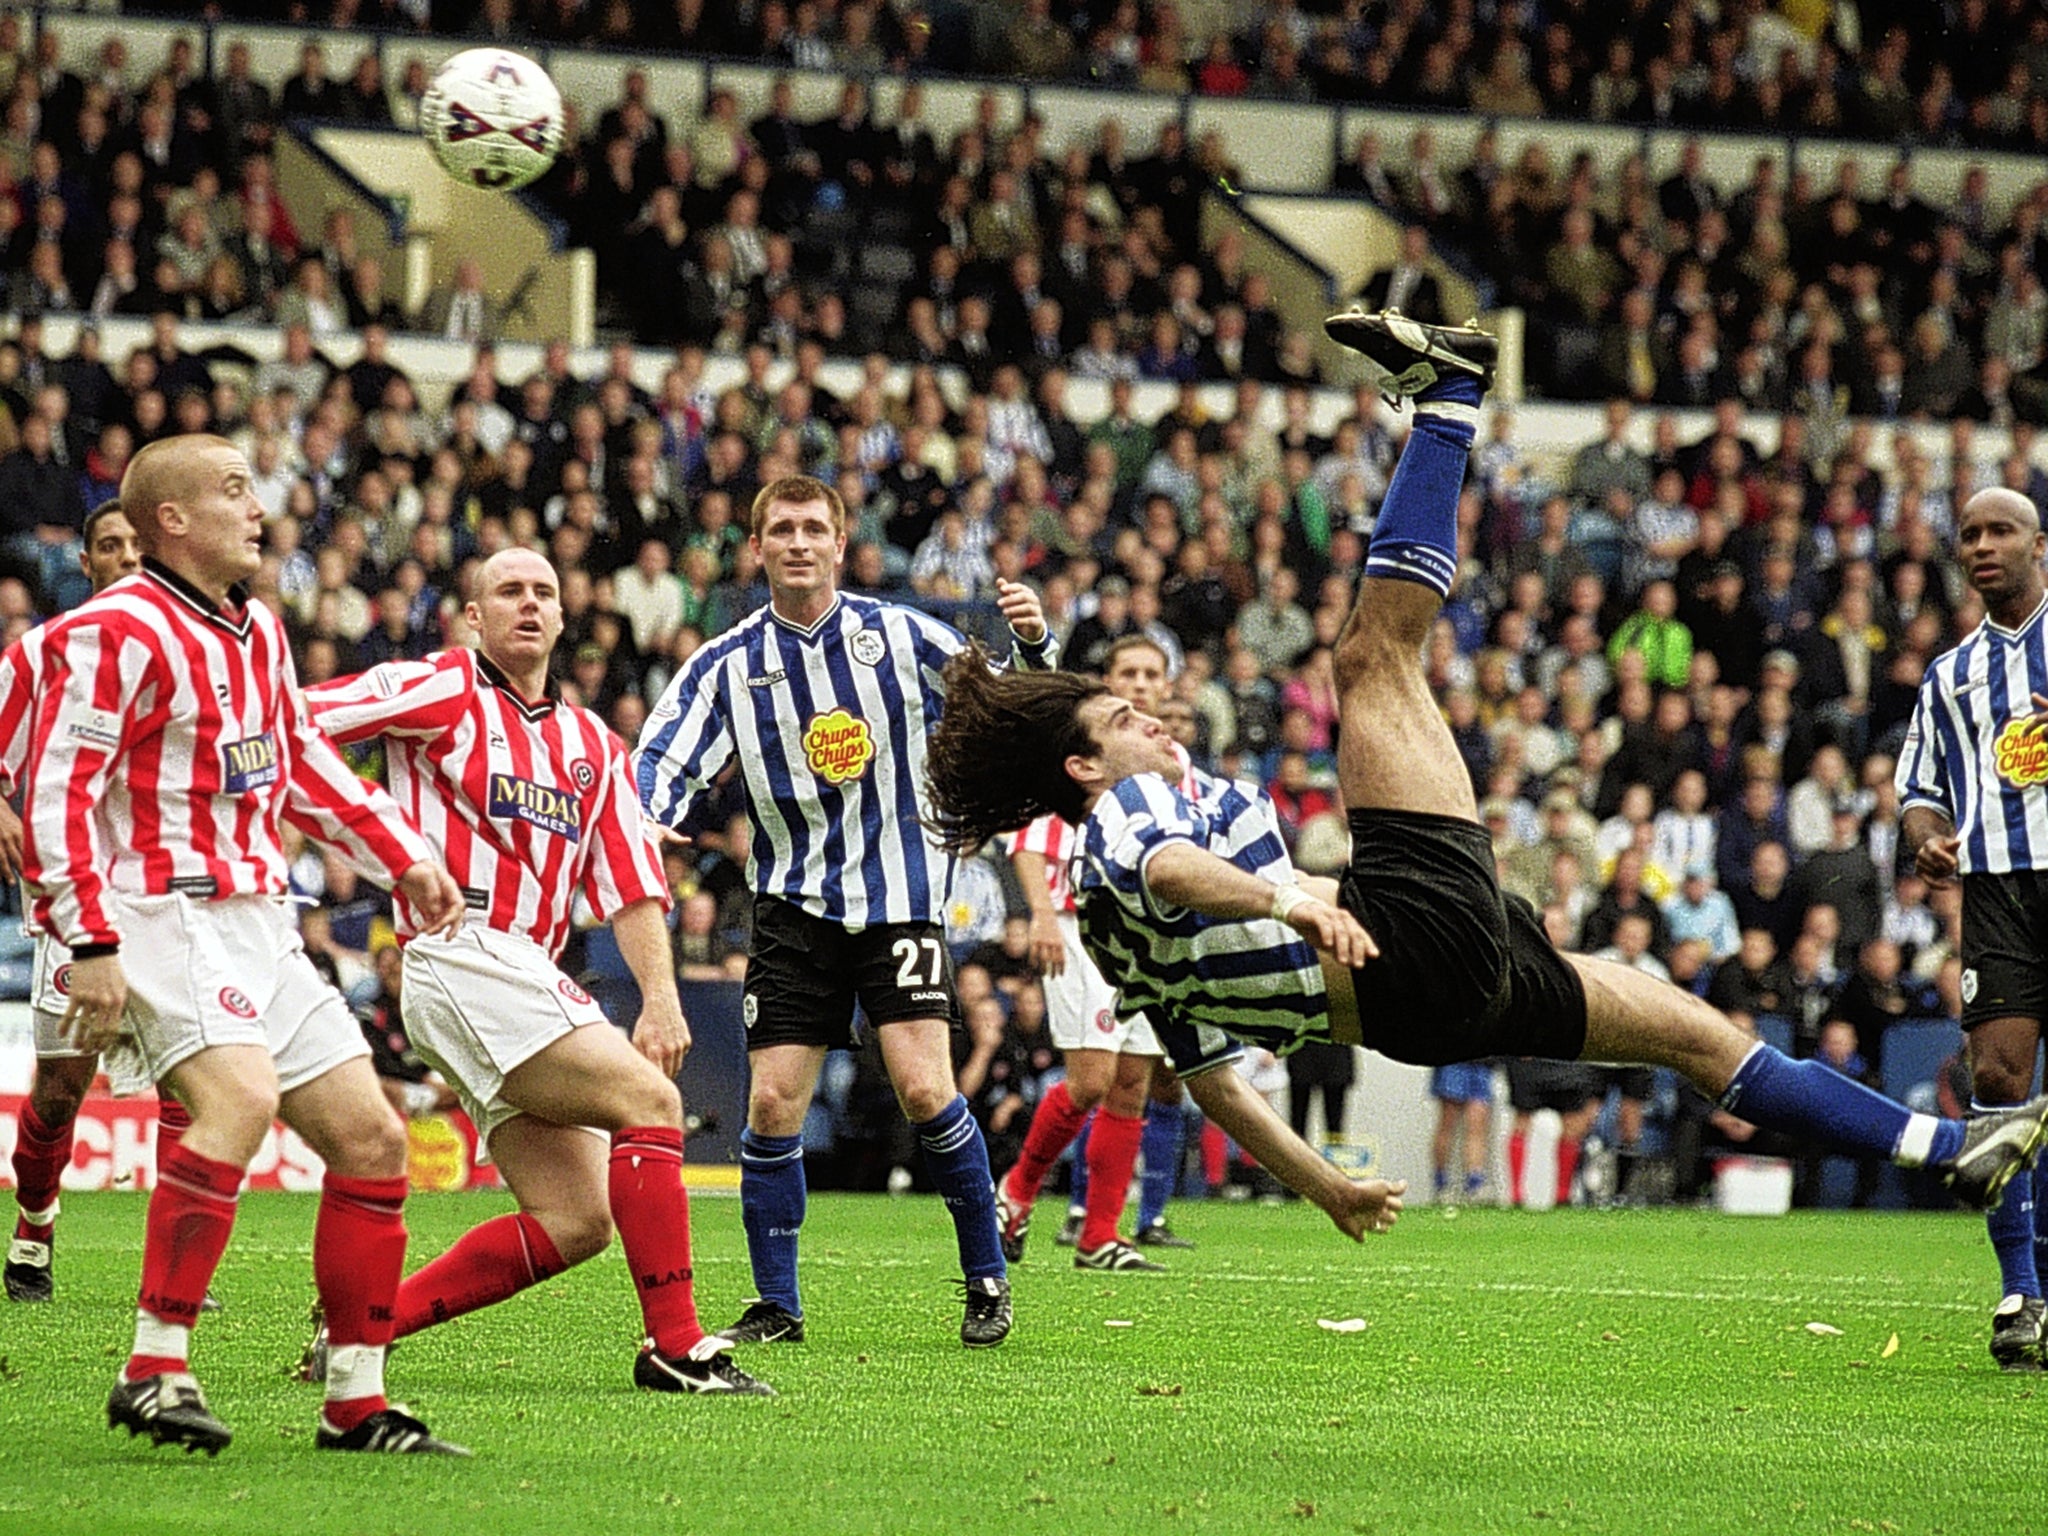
pixel 1688 626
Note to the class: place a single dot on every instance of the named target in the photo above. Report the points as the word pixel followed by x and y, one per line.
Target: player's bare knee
pixel 1995 1081
pixel 373 1146
pixel 924 1101
pixel 580 1233
pixel 1126 1098
pixel 773 1112
pixel 654 1100
pixel 55 1101
pixel 1085 1093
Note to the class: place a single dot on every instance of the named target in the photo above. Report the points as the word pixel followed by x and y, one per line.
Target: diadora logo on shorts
pixel 2020 755
pixel 838 746
pixel 248 764
pixel 571 991
pixel 541 805
pixel 237 1002
pixel 60 980
pixel 868 647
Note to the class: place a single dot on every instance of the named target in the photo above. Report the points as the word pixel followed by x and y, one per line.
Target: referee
pixel 1970 780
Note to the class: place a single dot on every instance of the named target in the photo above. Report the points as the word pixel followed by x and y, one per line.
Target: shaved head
pixel 172 469
pixel 2000 502
pixel 518 559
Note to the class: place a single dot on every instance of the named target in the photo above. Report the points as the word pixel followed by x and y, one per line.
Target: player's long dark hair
pixel 998 758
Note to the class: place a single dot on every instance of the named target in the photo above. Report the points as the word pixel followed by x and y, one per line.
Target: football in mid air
pixel 493 118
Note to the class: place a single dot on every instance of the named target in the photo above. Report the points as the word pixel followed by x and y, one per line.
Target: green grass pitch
pixel 1630 1372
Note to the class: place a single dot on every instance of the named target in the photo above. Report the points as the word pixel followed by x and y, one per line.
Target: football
pixel 493 118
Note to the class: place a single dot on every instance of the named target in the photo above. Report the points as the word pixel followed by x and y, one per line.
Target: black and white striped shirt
pixel 1206 983
pixel 1967 754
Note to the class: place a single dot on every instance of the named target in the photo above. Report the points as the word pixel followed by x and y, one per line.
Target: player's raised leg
pixel 1394 751
pixel 918 1055
pixel 1631 1017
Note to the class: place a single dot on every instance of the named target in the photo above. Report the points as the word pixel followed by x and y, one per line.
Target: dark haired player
pixel 1193 908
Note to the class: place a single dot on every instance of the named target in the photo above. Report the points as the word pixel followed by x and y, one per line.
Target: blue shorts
pixel 1462 1082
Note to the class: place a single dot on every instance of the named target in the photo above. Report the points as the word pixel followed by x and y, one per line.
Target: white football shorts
pixel 227 972
pixel 481 1003
pixel 1080 1006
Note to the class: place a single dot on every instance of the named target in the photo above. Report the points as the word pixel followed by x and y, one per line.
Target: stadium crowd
pixel 1678 674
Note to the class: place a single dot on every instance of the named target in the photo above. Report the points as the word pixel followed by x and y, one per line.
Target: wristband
pixel 1285 899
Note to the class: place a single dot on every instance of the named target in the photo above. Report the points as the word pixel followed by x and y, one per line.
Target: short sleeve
pixel 1128 825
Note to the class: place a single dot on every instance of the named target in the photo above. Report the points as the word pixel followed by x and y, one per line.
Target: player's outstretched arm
pixel 1357 1206
pixel 1179 874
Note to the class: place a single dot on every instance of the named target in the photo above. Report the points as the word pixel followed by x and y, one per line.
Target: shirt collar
pixel 234 616
pixel 2024 625
pixel 495 676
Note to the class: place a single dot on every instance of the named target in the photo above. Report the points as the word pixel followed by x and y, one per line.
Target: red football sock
pixel 1518 1160
pixel 1567 1166
pixel 1215 1155
pixel 173 1119
pixel 40 1157
pixel 358 1256
pixel 1112 1155
pixel 498 1259
pixel 1054 1126
pixel 191 1213
pixel 651 1209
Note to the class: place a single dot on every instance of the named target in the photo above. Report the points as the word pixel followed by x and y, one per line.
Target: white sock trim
pixel 1915 1141
pixel 1450 410
pixel 154 1336
pixel 355 1370
pixel 43 1218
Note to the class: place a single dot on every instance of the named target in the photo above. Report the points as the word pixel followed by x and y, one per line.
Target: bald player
pixel 532 803
pixel 1970 780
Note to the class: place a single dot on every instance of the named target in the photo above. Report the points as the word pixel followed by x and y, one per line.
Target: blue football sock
pixel 1077 1193
pixel 2040 1216
pixel 1474 1182
pixel 957 1158
pixel 772 1198
pixel 1160 1148
pixel 2012 1230
pixel 1416 536
pixel 1807 1098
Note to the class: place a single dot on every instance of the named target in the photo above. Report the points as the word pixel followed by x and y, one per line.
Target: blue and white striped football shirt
pixel 1206 983
pixel 1965 755
pixel 830 726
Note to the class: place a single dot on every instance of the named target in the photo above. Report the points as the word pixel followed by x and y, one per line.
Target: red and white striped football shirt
pixel 1056 840
pixel 170 745
pixel 529 803
pixel 21 677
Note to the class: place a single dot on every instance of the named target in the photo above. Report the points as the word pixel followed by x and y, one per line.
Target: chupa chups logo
pixel 237 1003
pixel 248 764
pixel 541 805
pixel 838 746
pixel 2020 755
